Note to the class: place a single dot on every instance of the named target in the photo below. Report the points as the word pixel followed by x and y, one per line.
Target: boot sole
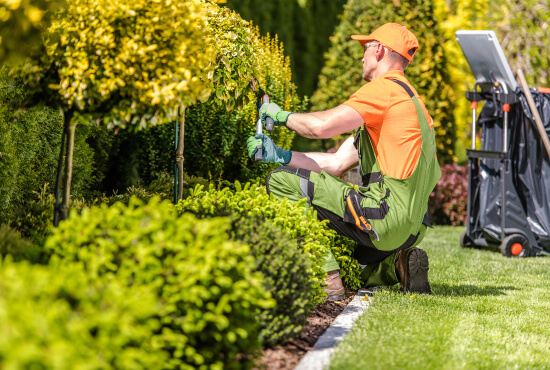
pixel 418 272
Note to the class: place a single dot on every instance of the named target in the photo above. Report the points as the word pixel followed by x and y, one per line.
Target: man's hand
pixel 272 110
pixel 271 152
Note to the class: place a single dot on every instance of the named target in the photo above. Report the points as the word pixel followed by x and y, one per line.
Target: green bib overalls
pixel 384 216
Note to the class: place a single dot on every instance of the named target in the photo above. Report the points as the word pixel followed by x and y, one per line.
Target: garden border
pixel 319 356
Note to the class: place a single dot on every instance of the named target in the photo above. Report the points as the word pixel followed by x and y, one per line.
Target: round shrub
pixel 205 281
pixel 286 269
pixel 313 236
pixel 56 317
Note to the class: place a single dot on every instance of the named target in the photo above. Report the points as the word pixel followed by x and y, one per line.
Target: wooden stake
pixel 534 111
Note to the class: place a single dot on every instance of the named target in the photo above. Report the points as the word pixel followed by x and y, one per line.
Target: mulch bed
pixel 288 356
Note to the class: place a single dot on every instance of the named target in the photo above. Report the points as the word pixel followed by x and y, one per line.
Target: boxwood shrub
pixel 312 235
pixel 206 282
pixel 287 271
pixel 56 317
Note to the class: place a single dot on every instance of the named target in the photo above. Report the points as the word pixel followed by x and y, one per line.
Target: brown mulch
pixel 288 356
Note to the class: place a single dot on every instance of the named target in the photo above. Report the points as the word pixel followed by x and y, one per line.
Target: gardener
pixel 393 142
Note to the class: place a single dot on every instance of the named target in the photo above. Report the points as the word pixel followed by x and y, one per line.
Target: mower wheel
pixel 465 241
pixel 515 245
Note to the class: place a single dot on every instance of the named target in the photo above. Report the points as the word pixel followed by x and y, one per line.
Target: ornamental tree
pixel 217 129
pixel 127 63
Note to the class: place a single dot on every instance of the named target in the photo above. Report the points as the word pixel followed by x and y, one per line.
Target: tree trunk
pixel 59 177
pixel 179 154
pixel 69 134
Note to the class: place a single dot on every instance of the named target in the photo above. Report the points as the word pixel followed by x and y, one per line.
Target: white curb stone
pixel 319 356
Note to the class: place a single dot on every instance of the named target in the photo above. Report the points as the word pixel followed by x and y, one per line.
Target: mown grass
pixel 487 312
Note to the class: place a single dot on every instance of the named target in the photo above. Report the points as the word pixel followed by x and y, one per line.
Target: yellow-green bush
pixel 342 74
pixel 286 269
pixel 57 317
pixel 205 281
pixel 136 63
pixel 312 235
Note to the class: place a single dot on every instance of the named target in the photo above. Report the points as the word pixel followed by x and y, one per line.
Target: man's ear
pixel 380 52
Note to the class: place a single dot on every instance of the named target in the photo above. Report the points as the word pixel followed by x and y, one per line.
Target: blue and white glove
pixel 271 152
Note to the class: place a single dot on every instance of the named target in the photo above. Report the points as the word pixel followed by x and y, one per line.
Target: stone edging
pixel 319 356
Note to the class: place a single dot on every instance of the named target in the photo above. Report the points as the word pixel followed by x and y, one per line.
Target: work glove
pixel 272 110
pixel 271 152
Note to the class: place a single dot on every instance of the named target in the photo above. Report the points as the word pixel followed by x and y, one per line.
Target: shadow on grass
pixel 469 290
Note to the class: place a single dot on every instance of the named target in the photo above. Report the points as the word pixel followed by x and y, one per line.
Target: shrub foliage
pixel 205 281
pixel 313 236
pixel 57 317
pixel 449 200
pixel 287 271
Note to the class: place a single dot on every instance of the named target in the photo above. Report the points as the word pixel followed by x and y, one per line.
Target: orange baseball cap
pixel 395 37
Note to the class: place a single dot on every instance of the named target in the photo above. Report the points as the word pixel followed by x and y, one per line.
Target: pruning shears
pixel 261 99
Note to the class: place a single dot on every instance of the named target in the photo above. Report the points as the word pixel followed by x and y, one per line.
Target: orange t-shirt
pixel 391 120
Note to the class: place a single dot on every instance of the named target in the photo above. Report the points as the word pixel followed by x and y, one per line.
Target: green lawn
pixel 487 312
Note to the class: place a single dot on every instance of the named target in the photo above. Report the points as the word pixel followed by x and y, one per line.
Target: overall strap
pixel 425 130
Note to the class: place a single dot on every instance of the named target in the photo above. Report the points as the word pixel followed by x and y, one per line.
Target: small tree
pixel 129 63
pixel 217 128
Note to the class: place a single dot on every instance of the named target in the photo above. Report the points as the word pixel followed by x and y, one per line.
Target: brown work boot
pixel 334 288
pixel 411 267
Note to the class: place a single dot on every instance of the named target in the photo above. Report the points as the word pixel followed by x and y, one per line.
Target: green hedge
pixel 286 269
pixel 342 74
pixel 30 144
pixel 56 317
pixel 205 281
pixel 312 235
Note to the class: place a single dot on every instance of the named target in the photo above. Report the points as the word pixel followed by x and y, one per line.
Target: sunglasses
pixel 366 46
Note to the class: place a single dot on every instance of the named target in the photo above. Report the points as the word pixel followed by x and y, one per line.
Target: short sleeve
pixel 371 101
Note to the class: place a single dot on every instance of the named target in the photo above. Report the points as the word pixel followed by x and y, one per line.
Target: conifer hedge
pixel 30 142
pixel 342 74
pixel 304 27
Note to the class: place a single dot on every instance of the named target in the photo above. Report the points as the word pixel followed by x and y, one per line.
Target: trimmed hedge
pixel 312 235
pixel 204 280
pixel 56 317
pixel 286 269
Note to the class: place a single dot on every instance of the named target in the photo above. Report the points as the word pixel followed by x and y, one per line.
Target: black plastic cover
pixel 529 161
